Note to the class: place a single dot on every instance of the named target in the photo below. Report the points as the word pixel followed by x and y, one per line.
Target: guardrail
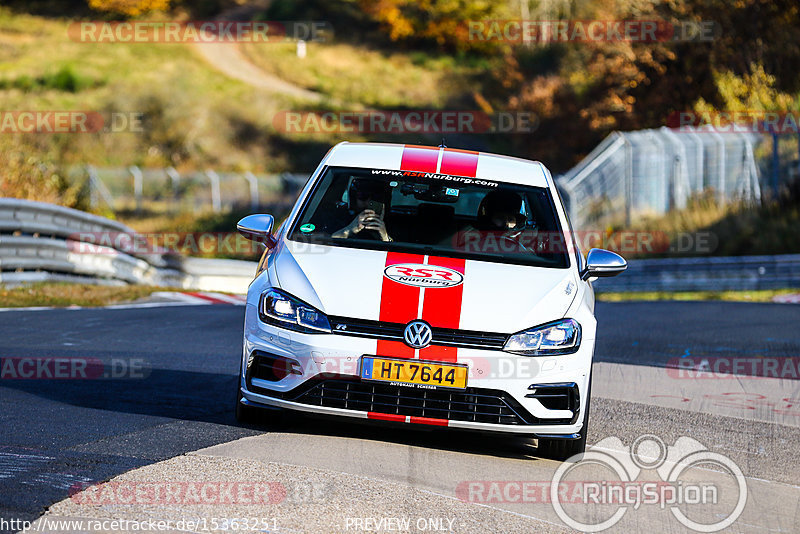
pixel 230 276
pixel 40 241
pixel 741 273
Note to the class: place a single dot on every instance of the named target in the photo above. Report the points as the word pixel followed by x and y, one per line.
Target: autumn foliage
pixel 130 8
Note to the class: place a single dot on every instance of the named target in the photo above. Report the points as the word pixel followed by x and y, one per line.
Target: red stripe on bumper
pixel 439 353
pixel 419 158
pixel 394 349
pixel 386 416
pixel 428 421
pixel 459 162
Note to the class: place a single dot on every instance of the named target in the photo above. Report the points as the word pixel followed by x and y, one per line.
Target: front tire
pixel 249 415
pixel 245 414
pixel 562 449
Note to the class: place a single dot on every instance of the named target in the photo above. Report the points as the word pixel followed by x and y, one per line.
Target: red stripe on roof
pixel 419 158
pixel 459 162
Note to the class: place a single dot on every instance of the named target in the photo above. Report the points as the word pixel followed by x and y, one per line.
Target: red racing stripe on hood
pixel 442 308
pixel 459 162
pixel 399 304
pixel 419 158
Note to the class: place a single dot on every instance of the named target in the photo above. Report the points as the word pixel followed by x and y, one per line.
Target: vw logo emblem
pixel 417 334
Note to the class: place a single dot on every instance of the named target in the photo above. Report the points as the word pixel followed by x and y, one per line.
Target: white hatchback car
pixel 425 286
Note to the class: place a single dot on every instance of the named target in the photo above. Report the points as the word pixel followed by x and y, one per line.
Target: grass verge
pixel 62 294
pixel 360 76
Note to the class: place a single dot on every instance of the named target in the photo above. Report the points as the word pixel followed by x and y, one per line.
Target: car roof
pixel 481 165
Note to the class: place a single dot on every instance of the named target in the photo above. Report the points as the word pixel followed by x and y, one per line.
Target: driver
pixel 368 200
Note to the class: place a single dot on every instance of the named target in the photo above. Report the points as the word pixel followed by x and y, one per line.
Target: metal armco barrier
pixel 706 274
pixel 35 246
pixel 42 242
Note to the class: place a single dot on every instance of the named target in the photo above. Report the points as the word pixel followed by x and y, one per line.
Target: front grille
pixel 441 336
pixel 473 405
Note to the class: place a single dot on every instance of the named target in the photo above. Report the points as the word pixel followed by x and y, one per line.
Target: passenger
pixel 368 202
pixel 501 210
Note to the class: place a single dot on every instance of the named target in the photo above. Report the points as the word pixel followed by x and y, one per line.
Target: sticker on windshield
pixel 436 176
pixel 307 228
pixel 421 275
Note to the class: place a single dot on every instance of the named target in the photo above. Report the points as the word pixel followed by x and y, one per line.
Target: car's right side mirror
pixel 258 228
pixel 601 262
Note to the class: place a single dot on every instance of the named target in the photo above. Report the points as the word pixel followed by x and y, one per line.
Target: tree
pixel 444 22
pixel 130 8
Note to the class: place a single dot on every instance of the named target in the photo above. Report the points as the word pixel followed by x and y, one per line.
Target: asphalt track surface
pixel 58 433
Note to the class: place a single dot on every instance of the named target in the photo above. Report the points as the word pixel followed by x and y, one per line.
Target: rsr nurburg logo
pixel 420 275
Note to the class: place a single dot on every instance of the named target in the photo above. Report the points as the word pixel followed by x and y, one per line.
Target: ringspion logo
pixel 703 490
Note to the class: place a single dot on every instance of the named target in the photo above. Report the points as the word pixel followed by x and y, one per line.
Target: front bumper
pixel 323 377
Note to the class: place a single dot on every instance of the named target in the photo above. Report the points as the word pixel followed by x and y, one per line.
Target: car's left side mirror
pixel 258 227
pixel 601 262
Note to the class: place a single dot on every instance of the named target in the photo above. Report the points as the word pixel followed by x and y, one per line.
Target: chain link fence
pixel 135 189
pixel 650 172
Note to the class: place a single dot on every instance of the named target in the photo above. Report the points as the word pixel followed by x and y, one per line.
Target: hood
pixel 446 292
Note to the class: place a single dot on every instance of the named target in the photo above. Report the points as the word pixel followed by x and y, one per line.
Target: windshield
pixel 434 214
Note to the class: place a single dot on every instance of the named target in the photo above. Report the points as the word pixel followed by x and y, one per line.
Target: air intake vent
pixel 473 404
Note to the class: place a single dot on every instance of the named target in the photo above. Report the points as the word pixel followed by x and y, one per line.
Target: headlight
pixel 281 309
pixel 560 337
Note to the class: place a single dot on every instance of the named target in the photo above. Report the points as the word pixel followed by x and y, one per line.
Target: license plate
pixel 414 373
